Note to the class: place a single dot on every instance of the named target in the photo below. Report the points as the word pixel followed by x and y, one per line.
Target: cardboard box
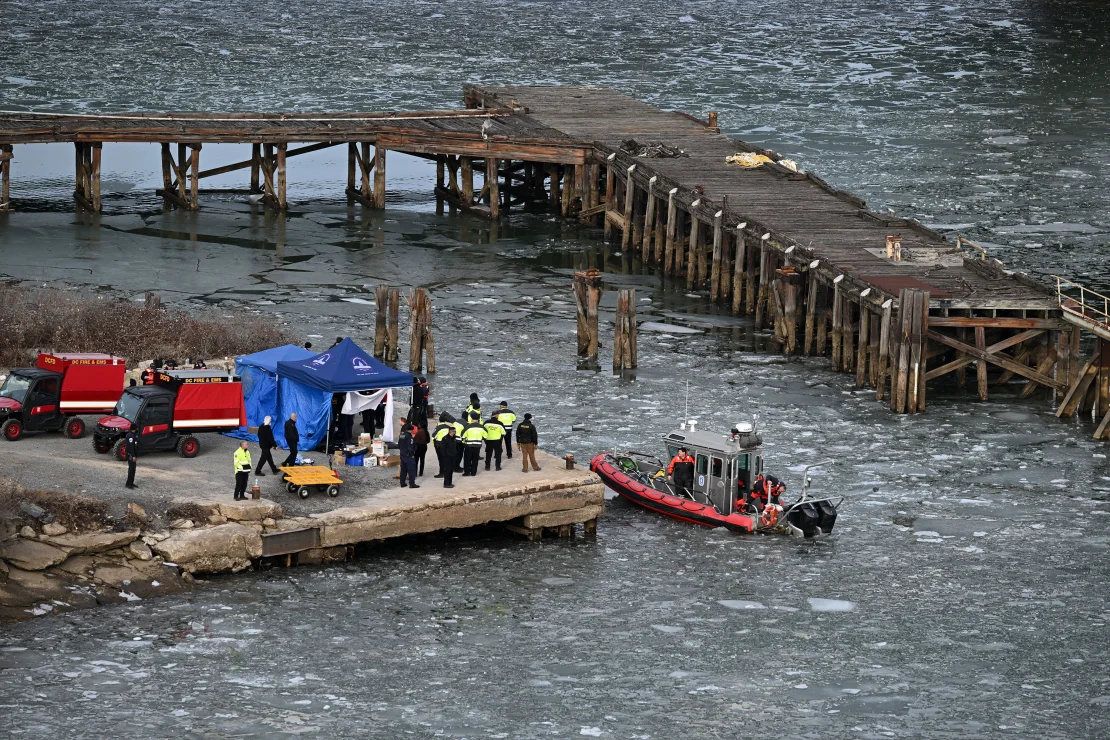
pixel 365 440
pixel 389 461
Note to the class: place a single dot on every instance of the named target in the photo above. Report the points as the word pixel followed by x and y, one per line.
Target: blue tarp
pixel 345 367
pixel 306 387
pixel 260 386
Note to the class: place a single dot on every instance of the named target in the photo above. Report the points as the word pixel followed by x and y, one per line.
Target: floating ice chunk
pixel 558 581
pixel 179 713
pixel 666 628
pixel 850 691
pixel 1036 526
pixel 930 539
pixel 129 596
pixel 972 548
pixel 927 533
pixel 978 534
pixel 830 605
pixel 740 604
pixel 590 731
pixel 801 686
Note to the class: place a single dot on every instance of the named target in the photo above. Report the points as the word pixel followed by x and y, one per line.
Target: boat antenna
pixel 686 414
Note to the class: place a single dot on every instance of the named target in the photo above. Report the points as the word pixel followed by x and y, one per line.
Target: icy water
pixel 964 593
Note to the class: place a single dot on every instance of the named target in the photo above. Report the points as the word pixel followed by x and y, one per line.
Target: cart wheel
pixel 333 491
pixel 120 450
pixel 75 428
pixel 190 446
pixel 303 491
pixel 101 447
pixel 13 430
pixel 291 487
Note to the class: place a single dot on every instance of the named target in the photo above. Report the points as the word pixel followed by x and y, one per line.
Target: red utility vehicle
pixel 49 396
pixel 168 413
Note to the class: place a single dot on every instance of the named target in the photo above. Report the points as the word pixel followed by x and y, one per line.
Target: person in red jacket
pixel 681 471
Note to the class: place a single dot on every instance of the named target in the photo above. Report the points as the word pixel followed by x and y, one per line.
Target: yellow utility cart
pixel 301 479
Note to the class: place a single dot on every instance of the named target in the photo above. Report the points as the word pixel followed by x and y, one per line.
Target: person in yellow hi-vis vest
pixel 243 469
pixel 507 418
pixel 472 437
pixel 494 434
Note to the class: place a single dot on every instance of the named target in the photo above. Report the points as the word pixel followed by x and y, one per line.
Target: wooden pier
pixel 887 299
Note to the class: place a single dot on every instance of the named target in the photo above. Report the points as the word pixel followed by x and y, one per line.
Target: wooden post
pixel 790 283
pixel 492 166
pixel 884 348
pixel 981 365
pixel 256 155
pixel 610 194
pixel 467 182
pixel 624 333
pixel 847 335
pixel 381 300
pixel 94 175
pixel 182 171
pixel 379 179
pixel 391 353
pixel 420 331
pixel 738 269
pixel 919 331
pixel 194 175
pixel 873 350
pixel 649 220
pixel 587 296
pixel 660 232
pixel 692 246
pixel 718 244
pixel 5 177
pixel 763 297
pixel 864 344
pixel 672 224
pixel 837 323
pixel 899 373
pixel 811 308
pixel 167 175
pixel 629 198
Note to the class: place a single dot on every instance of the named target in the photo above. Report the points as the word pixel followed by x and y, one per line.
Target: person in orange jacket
pixel 681 471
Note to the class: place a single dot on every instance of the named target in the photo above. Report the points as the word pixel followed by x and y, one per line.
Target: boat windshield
pixel 15 387
pixel 128 407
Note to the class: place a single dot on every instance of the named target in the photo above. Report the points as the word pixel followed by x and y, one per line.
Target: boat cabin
pixel 723 464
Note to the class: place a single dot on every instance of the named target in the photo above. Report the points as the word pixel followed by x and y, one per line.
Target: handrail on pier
pixel 1091 306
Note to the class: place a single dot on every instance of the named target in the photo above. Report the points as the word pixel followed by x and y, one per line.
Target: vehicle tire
pixel 12 429
pixel 333 491
pixel 101 447
pixel 120 450
pixel 189 446
pixel 291 487
pixel 74 428
pixel 303 491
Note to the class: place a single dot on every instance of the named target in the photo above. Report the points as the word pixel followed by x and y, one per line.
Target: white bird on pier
pixel 487 126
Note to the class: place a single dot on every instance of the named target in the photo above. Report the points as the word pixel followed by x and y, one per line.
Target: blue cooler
pixel 356 460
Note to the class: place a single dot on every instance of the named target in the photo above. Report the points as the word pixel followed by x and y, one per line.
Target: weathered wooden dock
pixel 884 297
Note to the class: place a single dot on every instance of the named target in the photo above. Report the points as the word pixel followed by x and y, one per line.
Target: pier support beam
pixel 181 176
pixel 624 335
pixel 5 177
pixel 421 343
pixel 371 169
pixel 386 331
pixel 587 296
pixel 672 224
pixel 738 269
pixel 87 190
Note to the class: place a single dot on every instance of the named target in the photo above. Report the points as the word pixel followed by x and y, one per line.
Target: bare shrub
pixel 196 512
pixel 71 510
pixel 49 319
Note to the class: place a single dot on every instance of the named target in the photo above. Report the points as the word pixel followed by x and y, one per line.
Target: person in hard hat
pixel 243 467
pixel 681 470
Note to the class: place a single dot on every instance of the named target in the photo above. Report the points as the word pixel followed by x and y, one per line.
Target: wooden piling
pixel 980 364
pixel 885 332
pixel 394 332
pixel 194 176
pixel 624 339
pixel 789 284
pixel 864 344
pixel 649 220
pixel 629 206
pixel 587 296
pixel 379 177
pixel 421 343
pixel 5 177
pixel 718 249
pixel 812 291
pixel 494 190
pixel 693 245
pixel 847 335
pixel 738 269
pixel 837 323
pixel 901 355
pixel 381 301
pixel 874 336
pixel 919 356
pixel 672 224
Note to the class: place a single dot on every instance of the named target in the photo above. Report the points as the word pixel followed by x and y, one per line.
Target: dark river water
pixel 964 592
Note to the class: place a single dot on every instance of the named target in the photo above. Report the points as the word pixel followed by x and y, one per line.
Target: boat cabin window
pixel 672 450
pixel 702 464
pixel 744 475
pixel 718 467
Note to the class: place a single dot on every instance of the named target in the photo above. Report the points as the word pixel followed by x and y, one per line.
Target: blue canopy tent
pixel 306 386
pixel 260 385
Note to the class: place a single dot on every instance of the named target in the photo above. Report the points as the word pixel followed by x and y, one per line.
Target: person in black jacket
pixel 131 447
pixel 408 456
pixel 292 437
pixel 526 439
pixel 267 443
pixel 448 452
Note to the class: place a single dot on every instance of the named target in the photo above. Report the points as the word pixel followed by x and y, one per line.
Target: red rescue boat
pixel 724 468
